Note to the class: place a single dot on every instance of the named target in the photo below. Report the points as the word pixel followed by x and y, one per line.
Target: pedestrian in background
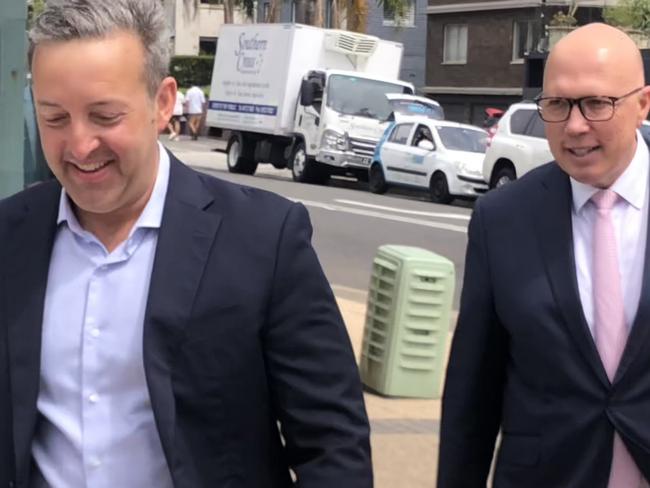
pixel 164 328
pixel 174 126
pixel 195 100
pixel 552 345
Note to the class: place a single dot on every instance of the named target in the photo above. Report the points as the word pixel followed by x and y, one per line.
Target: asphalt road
pixel 349 222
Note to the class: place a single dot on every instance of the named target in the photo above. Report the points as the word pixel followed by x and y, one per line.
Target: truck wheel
pixel 376 179
pixel 304 169
pixel 239 155
pixel 439 188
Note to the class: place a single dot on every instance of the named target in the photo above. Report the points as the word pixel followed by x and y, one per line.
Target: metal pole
pixel 13 15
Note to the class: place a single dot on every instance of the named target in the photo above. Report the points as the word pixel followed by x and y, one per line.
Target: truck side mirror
pixel 307 93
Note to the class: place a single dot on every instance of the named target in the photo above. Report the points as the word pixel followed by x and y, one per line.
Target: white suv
pixel 518 145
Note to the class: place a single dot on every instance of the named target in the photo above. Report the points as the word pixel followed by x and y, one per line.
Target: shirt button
pixel 93 398
pixel 94 332
pixel 95 462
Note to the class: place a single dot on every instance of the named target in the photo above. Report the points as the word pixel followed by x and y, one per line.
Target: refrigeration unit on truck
pixel 310 99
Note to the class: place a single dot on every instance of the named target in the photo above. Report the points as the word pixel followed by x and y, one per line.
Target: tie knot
pixel 604 199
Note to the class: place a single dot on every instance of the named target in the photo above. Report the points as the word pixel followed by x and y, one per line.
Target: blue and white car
pixel 443 157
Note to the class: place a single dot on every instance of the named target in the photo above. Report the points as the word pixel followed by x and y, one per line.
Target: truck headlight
pixel 334 141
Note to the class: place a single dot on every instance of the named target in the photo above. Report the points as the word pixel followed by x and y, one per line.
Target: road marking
pixel 384 216
pixel 402 210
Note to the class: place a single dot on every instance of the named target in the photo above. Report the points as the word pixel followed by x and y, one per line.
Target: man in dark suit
pixel 165 328
pixel 552 345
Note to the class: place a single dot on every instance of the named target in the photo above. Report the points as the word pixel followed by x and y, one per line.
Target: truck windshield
pixel 351 95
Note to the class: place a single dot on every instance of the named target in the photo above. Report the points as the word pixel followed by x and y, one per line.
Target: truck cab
pixel 340 118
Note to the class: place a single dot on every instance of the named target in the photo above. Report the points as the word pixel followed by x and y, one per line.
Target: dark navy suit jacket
pixel 523 360
pixel 248 363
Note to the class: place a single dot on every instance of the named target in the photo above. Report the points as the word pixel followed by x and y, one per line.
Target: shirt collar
pixel 151 215
pixel 631 185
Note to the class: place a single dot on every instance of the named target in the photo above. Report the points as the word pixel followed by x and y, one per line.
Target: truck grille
pixel 363 147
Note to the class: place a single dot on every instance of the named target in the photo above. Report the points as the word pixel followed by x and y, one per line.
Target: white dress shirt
pixel 96 427
pixel 630 216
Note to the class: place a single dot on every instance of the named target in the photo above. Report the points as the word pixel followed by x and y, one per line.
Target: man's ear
pixel 644 104
pixel 165 101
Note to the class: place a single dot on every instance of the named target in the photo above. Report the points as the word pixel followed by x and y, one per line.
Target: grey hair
pixel 65 20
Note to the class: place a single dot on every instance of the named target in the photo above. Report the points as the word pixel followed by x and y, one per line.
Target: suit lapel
pixel 186 236
pixel 30 237
pixel 554 226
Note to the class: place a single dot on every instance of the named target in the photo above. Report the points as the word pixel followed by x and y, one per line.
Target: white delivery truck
pixel 297 96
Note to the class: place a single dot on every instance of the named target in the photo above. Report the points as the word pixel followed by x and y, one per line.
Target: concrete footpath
pixel 404 431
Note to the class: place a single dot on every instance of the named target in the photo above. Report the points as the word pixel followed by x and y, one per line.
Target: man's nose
pixel 83 140
pixel 576 123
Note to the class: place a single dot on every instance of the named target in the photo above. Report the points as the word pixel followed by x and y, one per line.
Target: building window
pixel 455 44
pixel 211 2
pixel 266 11
pixel 407 19
pixel 208 45
pixel 524 38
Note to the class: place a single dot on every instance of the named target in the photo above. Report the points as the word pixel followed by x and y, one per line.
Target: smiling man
pixel 552 345
pixel 165 328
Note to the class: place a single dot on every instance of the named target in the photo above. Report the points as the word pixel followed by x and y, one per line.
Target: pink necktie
pixel 609 322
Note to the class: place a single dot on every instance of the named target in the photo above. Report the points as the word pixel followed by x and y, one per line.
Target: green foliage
pixel 633 14
pixel 397 7
pixel 34 9
pixel 192 70
pixel 562 19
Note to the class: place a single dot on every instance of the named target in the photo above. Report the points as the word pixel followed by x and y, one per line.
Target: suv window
pixel 536 127
pixel 400 133
pixel 520 119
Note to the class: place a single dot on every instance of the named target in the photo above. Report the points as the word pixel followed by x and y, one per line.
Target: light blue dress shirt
pixel 96 427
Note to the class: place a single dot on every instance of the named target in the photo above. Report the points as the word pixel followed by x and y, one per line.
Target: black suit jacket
pixel 523 359
pixel 243 341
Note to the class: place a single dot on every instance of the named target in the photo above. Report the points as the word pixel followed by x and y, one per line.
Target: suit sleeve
pixel 472 399
pixel 312 371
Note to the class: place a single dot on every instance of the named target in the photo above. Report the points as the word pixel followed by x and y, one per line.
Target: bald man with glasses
pixel 550 364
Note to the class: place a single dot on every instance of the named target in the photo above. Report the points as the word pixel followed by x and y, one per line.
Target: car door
pixel 529 140
pixel 415 170
pixel 540 150
pixel 393 153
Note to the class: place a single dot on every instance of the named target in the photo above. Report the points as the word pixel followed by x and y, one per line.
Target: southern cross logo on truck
pixel 250 54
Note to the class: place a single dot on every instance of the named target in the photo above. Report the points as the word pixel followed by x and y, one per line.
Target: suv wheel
pixel 503 176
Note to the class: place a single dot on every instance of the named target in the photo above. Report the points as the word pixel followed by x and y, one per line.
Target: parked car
pixel 518 145
pixel 443 157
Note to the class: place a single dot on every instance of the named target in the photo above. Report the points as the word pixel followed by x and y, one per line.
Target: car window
pixel 400 133
pixel 536 127
pixel 462 139
pixel 520 119
pixel 422 133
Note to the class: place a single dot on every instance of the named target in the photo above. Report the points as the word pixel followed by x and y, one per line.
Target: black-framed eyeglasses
pixel 594 108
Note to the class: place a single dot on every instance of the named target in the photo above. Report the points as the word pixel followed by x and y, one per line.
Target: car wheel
pixel 439 188
pixel 238 157
pixel 503 176
pixel 376 179
pixel 304 169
